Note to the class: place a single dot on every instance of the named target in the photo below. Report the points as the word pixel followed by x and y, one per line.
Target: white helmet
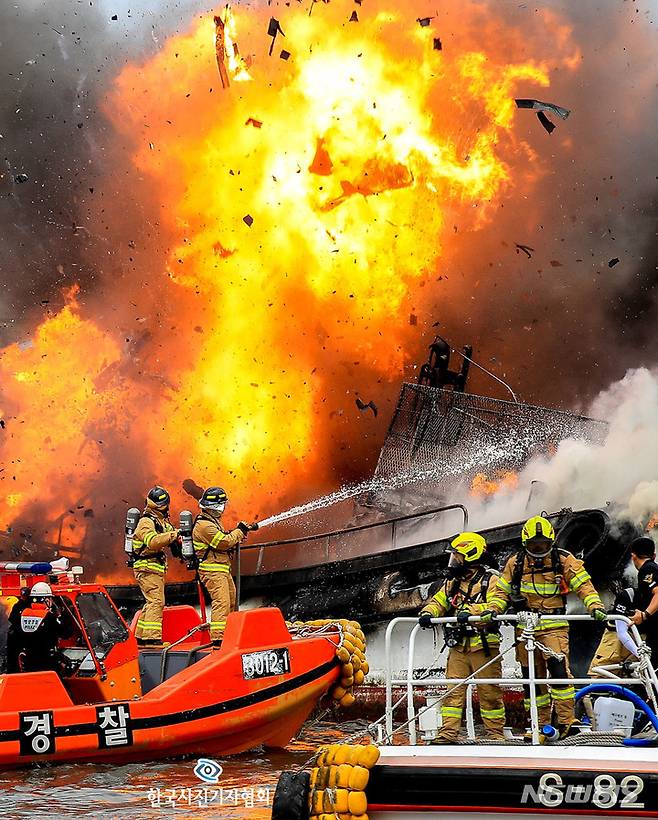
pixel 41 590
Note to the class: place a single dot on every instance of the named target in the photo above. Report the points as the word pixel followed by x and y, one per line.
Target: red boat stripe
pixel 398 807
pixel 195 714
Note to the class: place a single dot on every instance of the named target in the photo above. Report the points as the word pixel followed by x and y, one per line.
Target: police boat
pixel 104 699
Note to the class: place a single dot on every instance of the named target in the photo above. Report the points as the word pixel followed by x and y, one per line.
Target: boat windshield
pixel 103 625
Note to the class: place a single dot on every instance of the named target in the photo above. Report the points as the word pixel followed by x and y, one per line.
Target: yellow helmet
pixel 538 526
pixel 469 544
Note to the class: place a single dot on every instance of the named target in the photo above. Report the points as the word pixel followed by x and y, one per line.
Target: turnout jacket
pixel 153 533
pixel 212 542
pixel 544 584
pixel 470 593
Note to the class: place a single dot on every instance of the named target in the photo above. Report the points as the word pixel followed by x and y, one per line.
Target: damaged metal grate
pixel 447 436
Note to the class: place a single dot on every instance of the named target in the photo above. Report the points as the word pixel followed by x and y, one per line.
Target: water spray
pixel 514 447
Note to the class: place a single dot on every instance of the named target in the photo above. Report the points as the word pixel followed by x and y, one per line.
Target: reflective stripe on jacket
pixel 152 534
pixel 452 598
pixel 542 587
pixel 212 542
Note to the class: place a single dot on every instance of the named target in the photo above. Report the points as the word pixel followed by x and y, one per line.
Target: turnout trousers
pixel 559 698
pixel 462 663
pixel 151 585
pixel 610 651
pixel 221 589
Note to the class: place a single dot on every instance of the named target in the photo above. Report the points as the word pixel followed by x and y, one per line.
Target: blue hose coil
pixel 616 689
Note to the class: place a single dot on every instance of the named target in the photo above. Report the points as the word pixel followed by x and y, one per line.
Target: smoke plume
pixel 621 471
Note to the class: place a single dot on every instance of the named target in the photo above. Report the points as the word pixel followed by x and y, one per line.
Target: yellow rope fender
pixel 338 783
pixel 351 652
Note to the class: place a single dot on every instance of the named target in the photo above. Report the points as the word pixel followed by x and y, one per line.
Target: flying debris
pixel 192 488
pixel 248 220
pixel 423 21
pixel 274 28
pixel 255 123
pixel 540 107
pixel 21 178
pixel 438 46
pixel 613 262
pixel 354 17
pixel 527 250
pixel 220 51
pixel 285 55
pixel 363 406
pixel 543 119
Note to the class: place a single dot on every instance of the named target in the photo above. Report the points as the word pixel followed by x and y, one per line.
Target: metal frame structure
pixel 446 435
pixel 530 621
pixel 359 528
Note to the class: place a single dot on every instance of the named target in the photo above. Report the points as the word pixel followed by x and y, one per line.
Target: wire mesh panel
pixel 444 436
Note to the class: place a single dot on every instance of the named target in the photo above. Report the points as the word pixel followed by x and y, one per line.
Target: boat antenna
pixel 488 372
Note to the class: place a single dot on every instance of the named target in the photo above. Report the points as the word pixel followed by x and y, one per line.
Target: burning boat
pixel 440 439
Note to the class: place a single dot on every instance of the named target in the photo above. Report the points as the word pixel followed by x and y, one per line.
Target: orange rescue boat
pixel 115 702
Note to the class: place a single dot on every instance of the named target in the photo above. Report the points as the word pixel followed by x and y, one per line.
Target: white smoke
pixel 623 470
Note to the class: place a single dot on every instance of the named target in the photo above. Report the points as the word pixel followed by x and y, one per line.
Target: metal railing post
pixel 534 712
pixel 388 675
pixel 411 709
pixel 470 720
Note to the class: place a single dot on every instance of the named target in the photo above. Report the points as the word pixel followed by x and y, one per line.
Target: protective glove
pixel 244 528
pixel 425 620
pixel 487 616
pixel 599 614
pixel 463 616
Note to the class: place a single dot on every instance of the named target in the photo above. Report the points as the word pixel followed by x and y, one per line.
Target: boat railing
pixel 319 546
pixel 530 633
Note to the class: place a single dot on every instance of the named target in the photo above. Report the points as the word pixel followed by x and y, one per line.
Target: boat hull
pixel 480 781
pixel 208 708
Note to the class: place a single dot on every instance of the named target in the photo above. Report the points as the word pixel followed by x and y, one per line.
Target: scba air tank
pixel 185 529
pixel 132 519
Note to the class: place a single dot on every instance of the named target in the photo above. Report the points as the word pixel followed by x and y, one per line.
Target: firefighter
pixel 154 532
pixel 538 579
pixel 37 627
pixel 611 651
pixel 212 545
pixel 467 591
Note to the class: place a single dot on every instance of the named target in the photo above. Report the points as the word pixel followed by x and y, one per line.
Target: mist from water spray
pixel 621 469
pixel 512 449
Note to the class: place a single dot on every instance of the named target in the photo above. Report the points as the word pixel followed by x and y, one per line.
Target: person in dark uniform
pixel 643 554
pixel 14 640
pixel 36 630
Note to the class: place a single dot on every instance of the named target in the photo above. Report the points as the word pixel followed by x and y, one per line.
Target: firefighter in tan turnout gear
pixel 538 580
pixel 212 545
pixel 467 591
pixel 153 534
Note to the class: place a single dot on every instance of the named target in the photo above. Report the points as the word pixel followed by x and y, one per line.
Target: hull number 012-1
pixel 265 664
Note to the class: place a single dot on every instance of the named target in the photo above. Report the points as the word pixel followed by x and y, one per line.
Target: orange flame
pixel 304 210
pixel 483 486
pixel 55 414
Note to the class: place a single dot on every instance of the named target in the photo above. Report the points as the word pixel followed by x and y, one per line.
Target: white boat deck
pixel 581 758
